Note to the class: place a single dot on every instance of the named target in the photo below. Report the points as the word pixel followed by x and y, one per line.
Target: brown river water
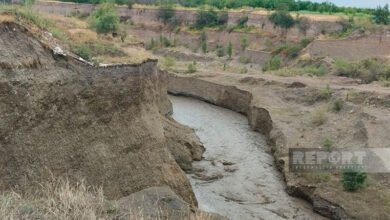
pixel 237 177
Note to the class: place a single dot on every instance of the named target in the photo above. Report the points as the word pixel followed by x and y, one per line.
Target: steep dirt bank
pixel 63 117
pixel 364 47
pixel 284 114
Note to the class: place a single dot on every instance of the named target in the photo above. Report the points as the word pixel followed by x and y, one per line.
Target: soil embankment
pixel 62 117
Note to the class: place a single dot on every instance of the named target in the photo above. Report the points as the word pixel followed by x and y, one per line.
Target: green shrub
pixel 220 51
pixel 82 51
pixel 244 59
pixel 244 42
pixel 165 42
pixel 244 70
pixel 289 50
pixel 274 63
pixel 151 45
pixel 353 178
pixel 305 42
pixel 168 62
pixel 293 50
pixel 241 22
pixel 317 71
pixel 337 105
pixel 210 18
pixel 328 143
pixel 368 70
pixel 166 13
pixel 325 93
pixel 319 117
pixel 191 68
pixel 303 24
pixel 268 42
pixel 203 41
pixel 229 49
pixel 230 28
pixel 105 19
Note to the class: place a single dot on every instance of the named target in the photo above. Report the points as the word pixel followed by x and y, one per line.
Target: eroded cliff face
pixel 63 117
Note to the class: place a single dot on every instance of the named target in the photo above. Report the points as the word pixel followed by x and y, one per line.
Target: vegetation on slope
pixel 95 39
pixel 291 5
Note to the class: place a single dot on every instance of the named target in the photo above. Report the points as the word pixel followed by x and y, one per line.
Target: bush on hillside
pixel 105 19
pixel 82 51
pixel 273 64
pixel 203 42
pixel 241 22
pixel 353 179
pixel 220 51
pixel 191 68
pixel 210 18
pixel 244 42
pixel 368 70
pixel 305 42
pixel 229 49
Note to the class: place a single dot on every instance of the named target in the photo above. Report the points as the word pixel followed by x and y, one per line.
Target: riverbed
pixel 237 177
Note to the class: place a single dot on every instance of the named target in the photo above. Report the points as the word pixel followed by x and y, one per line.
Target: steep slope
pixel 63 117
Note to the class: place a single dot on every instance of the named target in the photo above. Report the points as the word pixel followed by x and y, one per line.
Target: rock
pixel 160 203
pixel 155 202
pixel 210 178
pixel 183 143
pixel 297 85
pixel 58 51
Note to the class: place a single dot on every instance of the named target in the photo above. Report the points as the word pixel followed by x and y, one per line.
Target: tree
pixel 210 18
pixel 381 15
pixel 229 49
pixel 105 19
pixel 166 13
pixel 130 4
pixel 282 19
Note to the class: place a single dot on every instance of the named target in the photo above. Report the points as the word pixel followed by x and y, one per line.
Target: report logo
pixel 372 160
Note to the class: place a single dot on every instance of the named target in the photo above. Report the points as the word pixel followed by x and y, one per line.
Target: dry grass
pixel 57 200
pixel 60 199
pixel 6 18
pixel 319 117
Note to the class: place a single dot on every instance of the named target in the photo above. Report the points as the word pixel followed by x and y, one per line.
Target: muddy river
pixel 237 177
